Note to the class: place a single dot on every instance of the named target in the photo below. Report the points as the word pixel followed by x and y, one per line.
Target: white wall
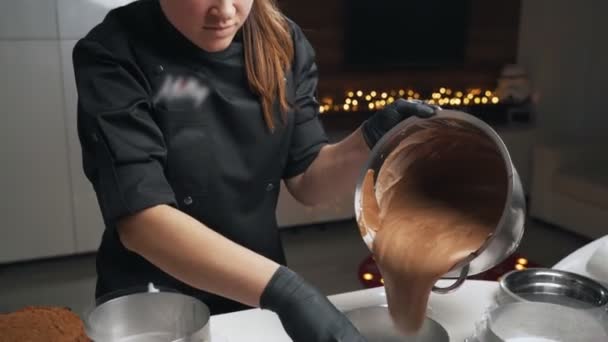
pixel 47 207
pixel 564 46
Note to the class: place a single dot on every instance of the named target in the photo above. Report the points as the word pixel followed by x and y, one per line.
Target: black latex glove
pixel 305 313
pixel 383 120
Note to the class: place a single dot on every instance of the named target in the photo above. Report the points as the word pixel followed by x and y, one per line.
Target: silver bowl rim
pixel 486 129
pixel 504 285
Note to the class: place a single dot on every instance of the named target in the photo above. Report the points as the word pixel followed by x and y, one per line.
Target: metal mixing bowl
pixel 510 228
pixel 552 286
pixel 375 324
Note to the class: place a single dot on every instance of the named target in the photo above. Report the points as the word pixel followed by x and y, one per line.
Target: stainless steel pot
pixel 509 230
pixel 149 317
pixel 552 286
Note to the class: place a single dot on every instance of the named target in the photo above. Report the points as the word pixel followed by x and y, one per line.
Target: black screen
pixel 388 33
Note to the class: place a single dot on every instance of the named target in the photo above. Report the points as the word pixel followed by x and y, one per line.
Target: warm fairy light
pixel 355 100
pixel 368 276
pixel 382 280
pixel 519 267
pixel 522 261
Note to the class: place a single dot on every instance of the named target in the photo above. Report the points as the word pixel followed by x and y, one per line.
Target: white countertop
pixel 457 312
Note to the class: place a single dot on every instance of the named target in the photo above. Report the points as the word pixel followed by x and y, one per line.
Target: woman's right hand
pixel 305 313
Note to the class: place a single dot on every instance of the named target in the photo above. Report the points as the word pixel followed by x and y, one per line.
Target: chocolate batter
pixel 437 198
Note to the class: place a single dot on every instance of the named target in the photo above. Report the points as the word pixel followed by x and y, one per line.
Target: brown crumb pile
pixel 38 324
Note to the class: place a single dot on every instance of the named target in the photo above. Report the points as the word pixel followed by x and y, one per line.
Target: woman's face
pixel 209 24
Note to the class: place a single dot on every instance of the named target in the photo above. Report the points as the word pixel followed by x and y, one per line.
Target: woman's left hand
pixel 383 120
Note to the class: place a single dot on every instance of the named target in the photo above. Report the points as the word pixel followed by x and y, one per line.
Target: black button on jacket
pixel 161 121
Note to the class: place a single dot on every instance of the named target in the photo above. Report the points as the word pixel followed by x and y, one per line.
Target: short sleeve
pixel 123 149
pixel 308 134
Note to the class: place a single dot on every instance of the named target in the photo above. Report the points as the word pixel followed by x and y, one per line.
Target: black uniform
pixel 212 158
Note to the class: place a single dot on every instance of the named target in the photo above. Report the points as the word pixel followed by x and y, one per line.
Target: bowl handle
pixel 463 276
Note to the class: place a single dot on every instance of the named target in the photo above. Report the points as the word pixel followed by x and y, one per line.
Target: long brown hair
pixel 268 56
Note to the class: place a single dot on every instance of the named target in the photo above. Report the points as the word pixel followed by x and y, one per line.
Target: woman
pixel 190 114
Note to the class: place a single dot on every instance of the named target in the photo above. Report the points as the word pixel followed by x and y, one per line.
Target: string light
pixel 377 99
pixel 522 261
pixel 368 276
pixel 519 267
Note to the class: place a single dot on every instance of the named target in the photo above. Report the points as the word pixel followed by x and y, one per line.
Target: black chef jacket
pixel 215 159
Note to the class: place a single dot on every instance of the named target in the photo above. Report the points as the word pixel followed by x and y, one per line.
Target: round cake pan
pixel 376 325
pixel 552 286
pixel 149 317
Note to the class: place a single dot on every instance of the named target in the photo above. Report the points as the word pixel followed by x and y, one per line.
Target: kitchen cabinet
pixel 36 203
